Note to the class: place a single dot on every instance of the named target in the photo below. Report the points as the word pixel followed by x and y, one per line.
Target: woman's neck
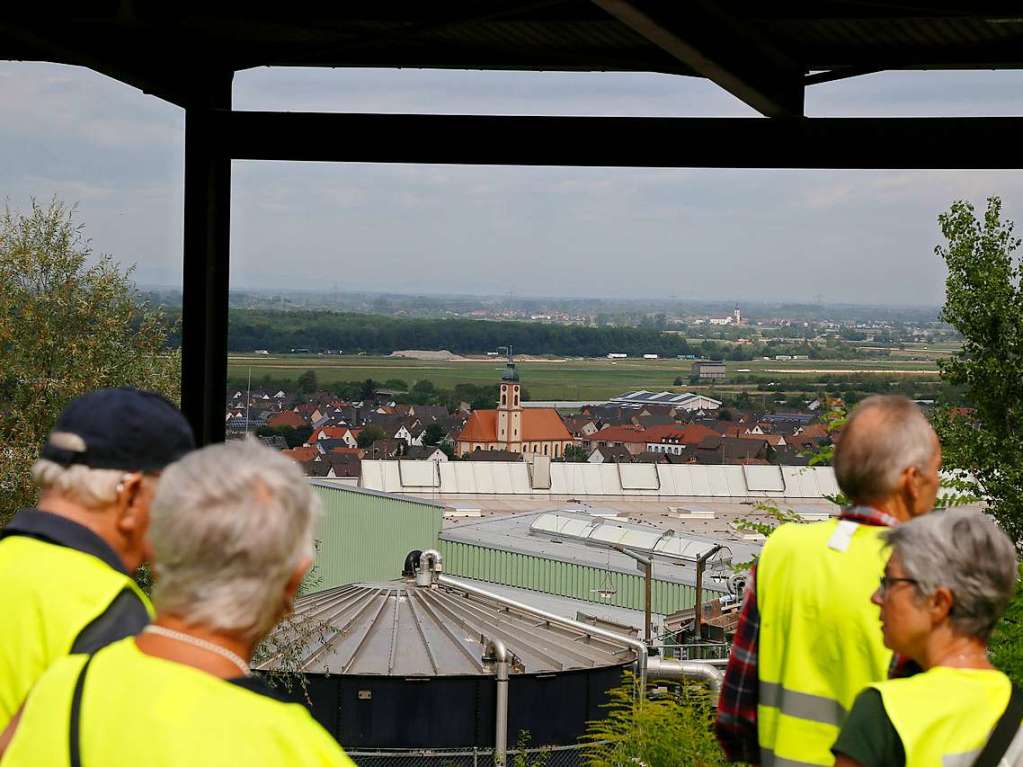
pixel 180 651
pixel 952 651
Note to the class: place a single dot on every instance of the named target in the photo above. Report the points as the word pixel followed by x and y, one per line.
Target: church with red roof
pixel 512 427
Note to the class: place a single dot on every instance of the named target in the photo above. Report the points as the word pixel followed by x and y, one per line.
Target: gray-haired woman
pixel 949 579
pixel 231 535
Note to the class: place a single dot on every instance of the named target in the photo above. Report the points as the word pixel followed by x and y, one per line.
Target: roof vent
pixel 681 512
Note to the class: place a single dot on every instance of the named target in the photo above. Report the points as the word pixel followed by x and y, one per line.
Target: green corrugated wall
pixel 566 579
pixel 364 536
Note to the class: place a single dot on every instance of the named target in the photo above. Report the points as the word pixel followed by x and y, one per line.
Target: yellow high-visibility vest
pixel 820 637
pixel 945 716
pixel 138 709
pixel 48 595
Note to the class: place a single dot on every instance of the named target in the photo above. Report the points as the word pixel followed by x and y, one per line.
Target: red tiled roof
pixel 287 418
pixel 329 432
pixel 623 434
pixel 538 425
pixel 301 454
pixel 347 451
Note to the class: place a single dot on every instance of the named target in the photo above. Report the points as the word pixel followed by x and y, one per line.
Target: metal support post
pixel 698 609
pixel 206 263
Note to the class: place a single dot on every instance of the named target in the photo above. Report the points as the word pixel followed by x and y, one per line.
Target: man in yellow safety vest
pixel 809 639
pixel 66 567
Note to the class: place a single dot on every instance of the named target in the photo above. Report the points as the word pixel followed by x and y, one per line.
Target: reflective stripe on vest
pixel 141 710
pixel 945 716
pixel 48 594
pixel 820 637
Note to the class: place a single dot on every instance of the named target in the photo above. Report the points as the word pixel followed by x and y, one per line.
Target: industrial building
pixel 683 401
pixel 571 553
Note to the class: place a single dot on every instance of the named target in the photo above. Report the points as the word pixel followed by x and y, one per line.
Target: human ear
pixel 941 603
pixel 129 493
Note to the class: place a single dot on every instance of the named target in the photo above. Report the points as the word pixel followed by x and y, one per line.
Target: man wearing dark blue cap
pixel 66 567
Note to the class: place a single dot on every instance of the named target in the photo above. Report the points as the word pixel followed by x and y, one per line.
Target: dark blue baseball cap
pixel 124 429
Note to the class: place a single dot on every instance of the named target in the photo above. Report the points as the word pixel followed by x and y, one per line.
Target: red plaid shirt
pixel 736 724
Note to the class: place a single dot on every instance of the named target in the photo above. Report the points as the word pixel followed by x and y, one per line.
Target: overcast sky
pixel 846 236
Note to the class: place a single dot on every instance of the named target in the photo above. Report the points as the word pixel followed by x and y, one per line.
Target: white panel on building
pixel 638 476
pixel 826 483
pixel 416 474
pixel 717 479
pixel 764 478
pixel 700 480
pixel 594 476
pixel 485 482
pixel 463 476
pixel 736 481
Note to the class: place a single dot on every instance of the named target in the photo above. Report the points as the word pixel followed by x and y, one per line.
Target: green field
pixel 572 379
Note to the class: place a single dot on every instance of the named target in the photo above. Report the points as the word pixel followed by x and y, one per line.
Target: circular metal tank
pixel 396 665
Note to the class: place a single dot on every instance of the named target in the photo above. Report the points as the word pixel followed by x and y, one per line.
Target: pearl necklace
pixel 202 644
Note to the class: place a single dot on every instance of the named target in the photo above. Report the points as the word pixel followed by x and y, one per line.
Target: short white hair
pixel 92 488
pixel 230 523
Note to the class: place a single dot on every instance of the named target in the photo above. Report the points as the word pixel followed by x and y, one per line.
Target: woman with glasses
pixel 948 580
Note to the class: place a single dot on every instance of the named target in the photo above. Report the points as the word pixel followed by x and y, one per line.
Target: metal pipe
pixel 682 670
pixel 637 645
pixel 497 650
pixel 431 564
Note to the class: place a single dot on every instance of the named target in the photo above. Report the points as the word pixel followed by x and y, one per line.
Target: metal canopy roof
pixel 400 629
pixel 760 51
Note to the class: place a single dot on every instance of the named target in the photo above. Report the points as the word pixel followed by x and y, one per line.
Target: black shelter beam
pixel 206 263
pixel 652 142
pixel 698 35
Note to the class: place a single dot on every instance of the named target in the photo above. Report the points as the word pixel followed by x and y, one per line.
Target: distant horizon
pixel 282 291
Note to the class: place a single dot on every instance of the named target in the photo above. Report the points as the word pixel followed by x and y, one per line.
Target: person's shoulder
pixel 283 721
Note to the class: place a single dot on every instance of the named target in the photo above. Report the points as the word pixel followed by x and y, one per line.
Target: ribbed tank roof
pixel 399 629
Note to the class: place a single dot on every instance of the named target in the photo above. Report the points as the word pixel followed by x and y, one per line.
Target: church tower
pixel 509 410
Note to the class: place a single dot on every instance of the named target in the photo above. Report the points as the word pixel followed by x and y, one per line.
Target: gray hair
pixel 966 552
pixel 92 488
pixel 885 435
pixel 230 523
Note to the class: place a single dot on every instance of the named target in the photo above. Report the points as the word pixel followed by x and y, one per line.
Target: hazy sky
pixel 849 236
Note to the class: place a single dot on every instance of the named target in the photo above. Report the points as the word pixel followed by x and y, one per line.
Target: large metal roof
pixel 748 46
pixel 400 629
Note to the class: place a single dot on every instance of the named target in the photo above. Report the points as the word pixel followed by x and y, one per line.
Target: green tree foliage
pixel 671 730
pixel 434 434
pixel 984 302
pixel 69 323
pixel 369 435
pixel 307 382
pixel 576 454
pixel 1006 645
pixel 294 437
pixel 375 334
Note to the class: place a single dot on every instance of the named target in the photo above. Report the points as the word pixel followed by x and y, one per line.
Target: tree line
pixel 319 331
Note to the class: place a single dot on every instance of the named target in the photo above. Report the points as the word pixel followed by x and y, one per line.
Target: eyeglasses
pixel 887 581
